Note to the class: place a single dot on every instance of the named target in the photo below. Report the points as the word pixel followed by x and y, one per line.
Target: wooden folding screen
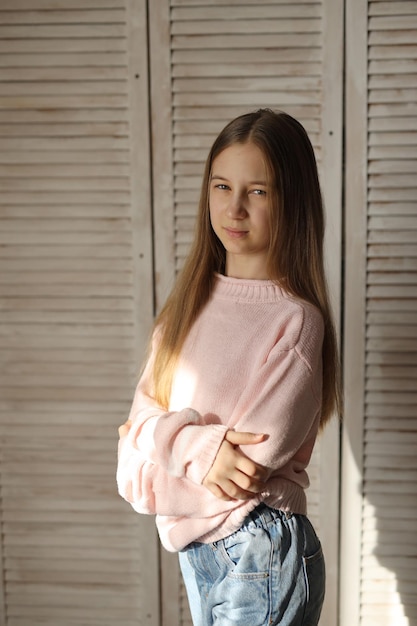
pixel 76 306
pixel 379 497
pixel 86 194
pixel 211 61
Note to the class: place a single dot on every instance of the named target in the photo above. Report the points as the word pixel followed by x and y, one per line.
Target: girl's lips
pixel 234 233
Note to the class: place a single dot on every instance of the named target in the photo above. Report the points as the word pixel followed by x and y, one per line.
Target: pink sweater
pixel 251 362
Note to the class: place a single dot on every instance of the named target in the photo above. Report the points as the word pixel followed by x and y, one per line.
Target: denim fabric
pixel 270 571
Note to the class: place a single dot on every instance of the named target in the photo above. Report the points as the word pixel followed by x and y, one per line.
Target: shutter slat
pixel 390 167
pixel 58 31
pixel 63 60
pixel 238 26
pixel 245 41
pixel 200 70
pixel 241 12
pixel 30 74
pixel 67 16
pixel 391 250
pixel 392 8
pixel 388 278
pixel 393 21
pixel 50 5
pixel 389 36
pixel 393 265
pixel 242 56
pixel 388 67
pixel 400 236
pixel 189 85
pixel 191 3
pixel 393 52
pixel 58 45
pixel 251 100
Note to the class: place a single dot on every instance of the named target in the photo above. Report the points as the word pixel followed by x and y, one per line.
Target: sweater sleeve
pixel 161 449
pixel 283 399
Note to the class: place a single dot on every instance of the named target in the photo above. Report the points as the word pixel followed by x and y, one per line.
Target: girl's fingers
pixel 219 493
pixel 244 439
pixel 229 491
pixel 247 483
pixel 235 490
pixel 233 475
pixel 244 463
pixel 236 486
pixel 251 469
pixel 124 429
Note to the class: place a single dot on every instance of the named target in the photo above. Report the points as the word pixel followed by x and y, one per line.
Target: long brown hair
pixel 295 255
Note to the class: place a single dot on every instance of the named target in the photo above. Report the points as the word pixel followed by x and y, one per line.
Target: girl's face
pixel 239 197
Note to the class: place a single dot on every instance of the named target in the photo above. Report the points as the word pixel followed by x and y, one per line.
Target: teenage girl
pixel 241 376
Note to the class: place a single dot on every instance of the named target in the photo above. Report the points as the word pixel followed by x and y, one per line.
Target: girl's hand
pixel 233 476
pixel 124 429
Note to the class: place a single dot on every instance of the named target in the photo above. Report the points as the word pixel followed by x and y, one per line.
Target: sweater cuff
pixel 205 452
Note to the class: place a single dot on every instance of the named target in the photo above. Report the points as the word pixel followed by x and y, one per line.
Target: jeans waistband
pixel 263 515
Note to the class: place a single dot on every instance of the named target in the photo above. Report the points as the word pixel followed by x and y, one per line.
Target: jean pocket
pixel 247 553
pixel 315 578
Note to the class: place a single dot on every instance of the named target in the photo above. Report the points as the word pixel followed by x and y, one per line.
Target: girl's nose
pixel 236 209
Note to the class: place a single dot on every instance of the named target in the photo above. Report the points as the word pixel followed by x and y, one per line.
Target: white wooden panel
pixel 76 305
pixel 211 61
pixel 382 431
pixel 391 399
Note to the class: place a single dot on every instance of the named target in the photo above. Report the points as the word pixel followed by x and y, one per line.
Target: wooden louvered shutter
pixel 211 61
pixel 76 305
pixel 379 559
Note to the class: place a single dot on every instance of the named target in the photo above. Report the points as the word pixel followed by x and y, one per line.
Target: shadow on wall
pixel 389 540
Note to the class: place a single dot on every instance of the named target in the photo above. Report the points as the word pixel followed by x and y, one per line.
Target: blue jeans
pixel 271 571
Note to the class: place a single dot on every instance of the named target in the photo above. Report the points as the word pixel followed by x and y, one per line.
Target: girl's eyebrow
pixel 254 182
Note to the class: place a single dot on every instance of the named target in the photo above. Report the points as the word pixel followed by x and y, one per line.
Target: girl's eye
pixel 221 186
pixel 259 192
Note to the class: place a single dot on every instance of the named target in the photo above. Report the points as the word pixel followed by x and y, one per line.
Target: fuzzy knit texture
pixel 252 362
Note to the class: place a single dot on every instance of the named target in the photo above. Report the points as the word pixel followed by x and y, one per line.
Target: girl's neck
pixel 239 266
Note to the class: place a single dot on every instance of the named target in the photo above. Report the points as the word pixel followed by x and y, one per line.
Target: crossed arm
pixel 233 476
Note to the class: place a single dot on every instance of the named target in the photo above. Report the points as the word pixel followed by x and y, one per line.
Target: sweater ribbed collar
pixel 247 290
